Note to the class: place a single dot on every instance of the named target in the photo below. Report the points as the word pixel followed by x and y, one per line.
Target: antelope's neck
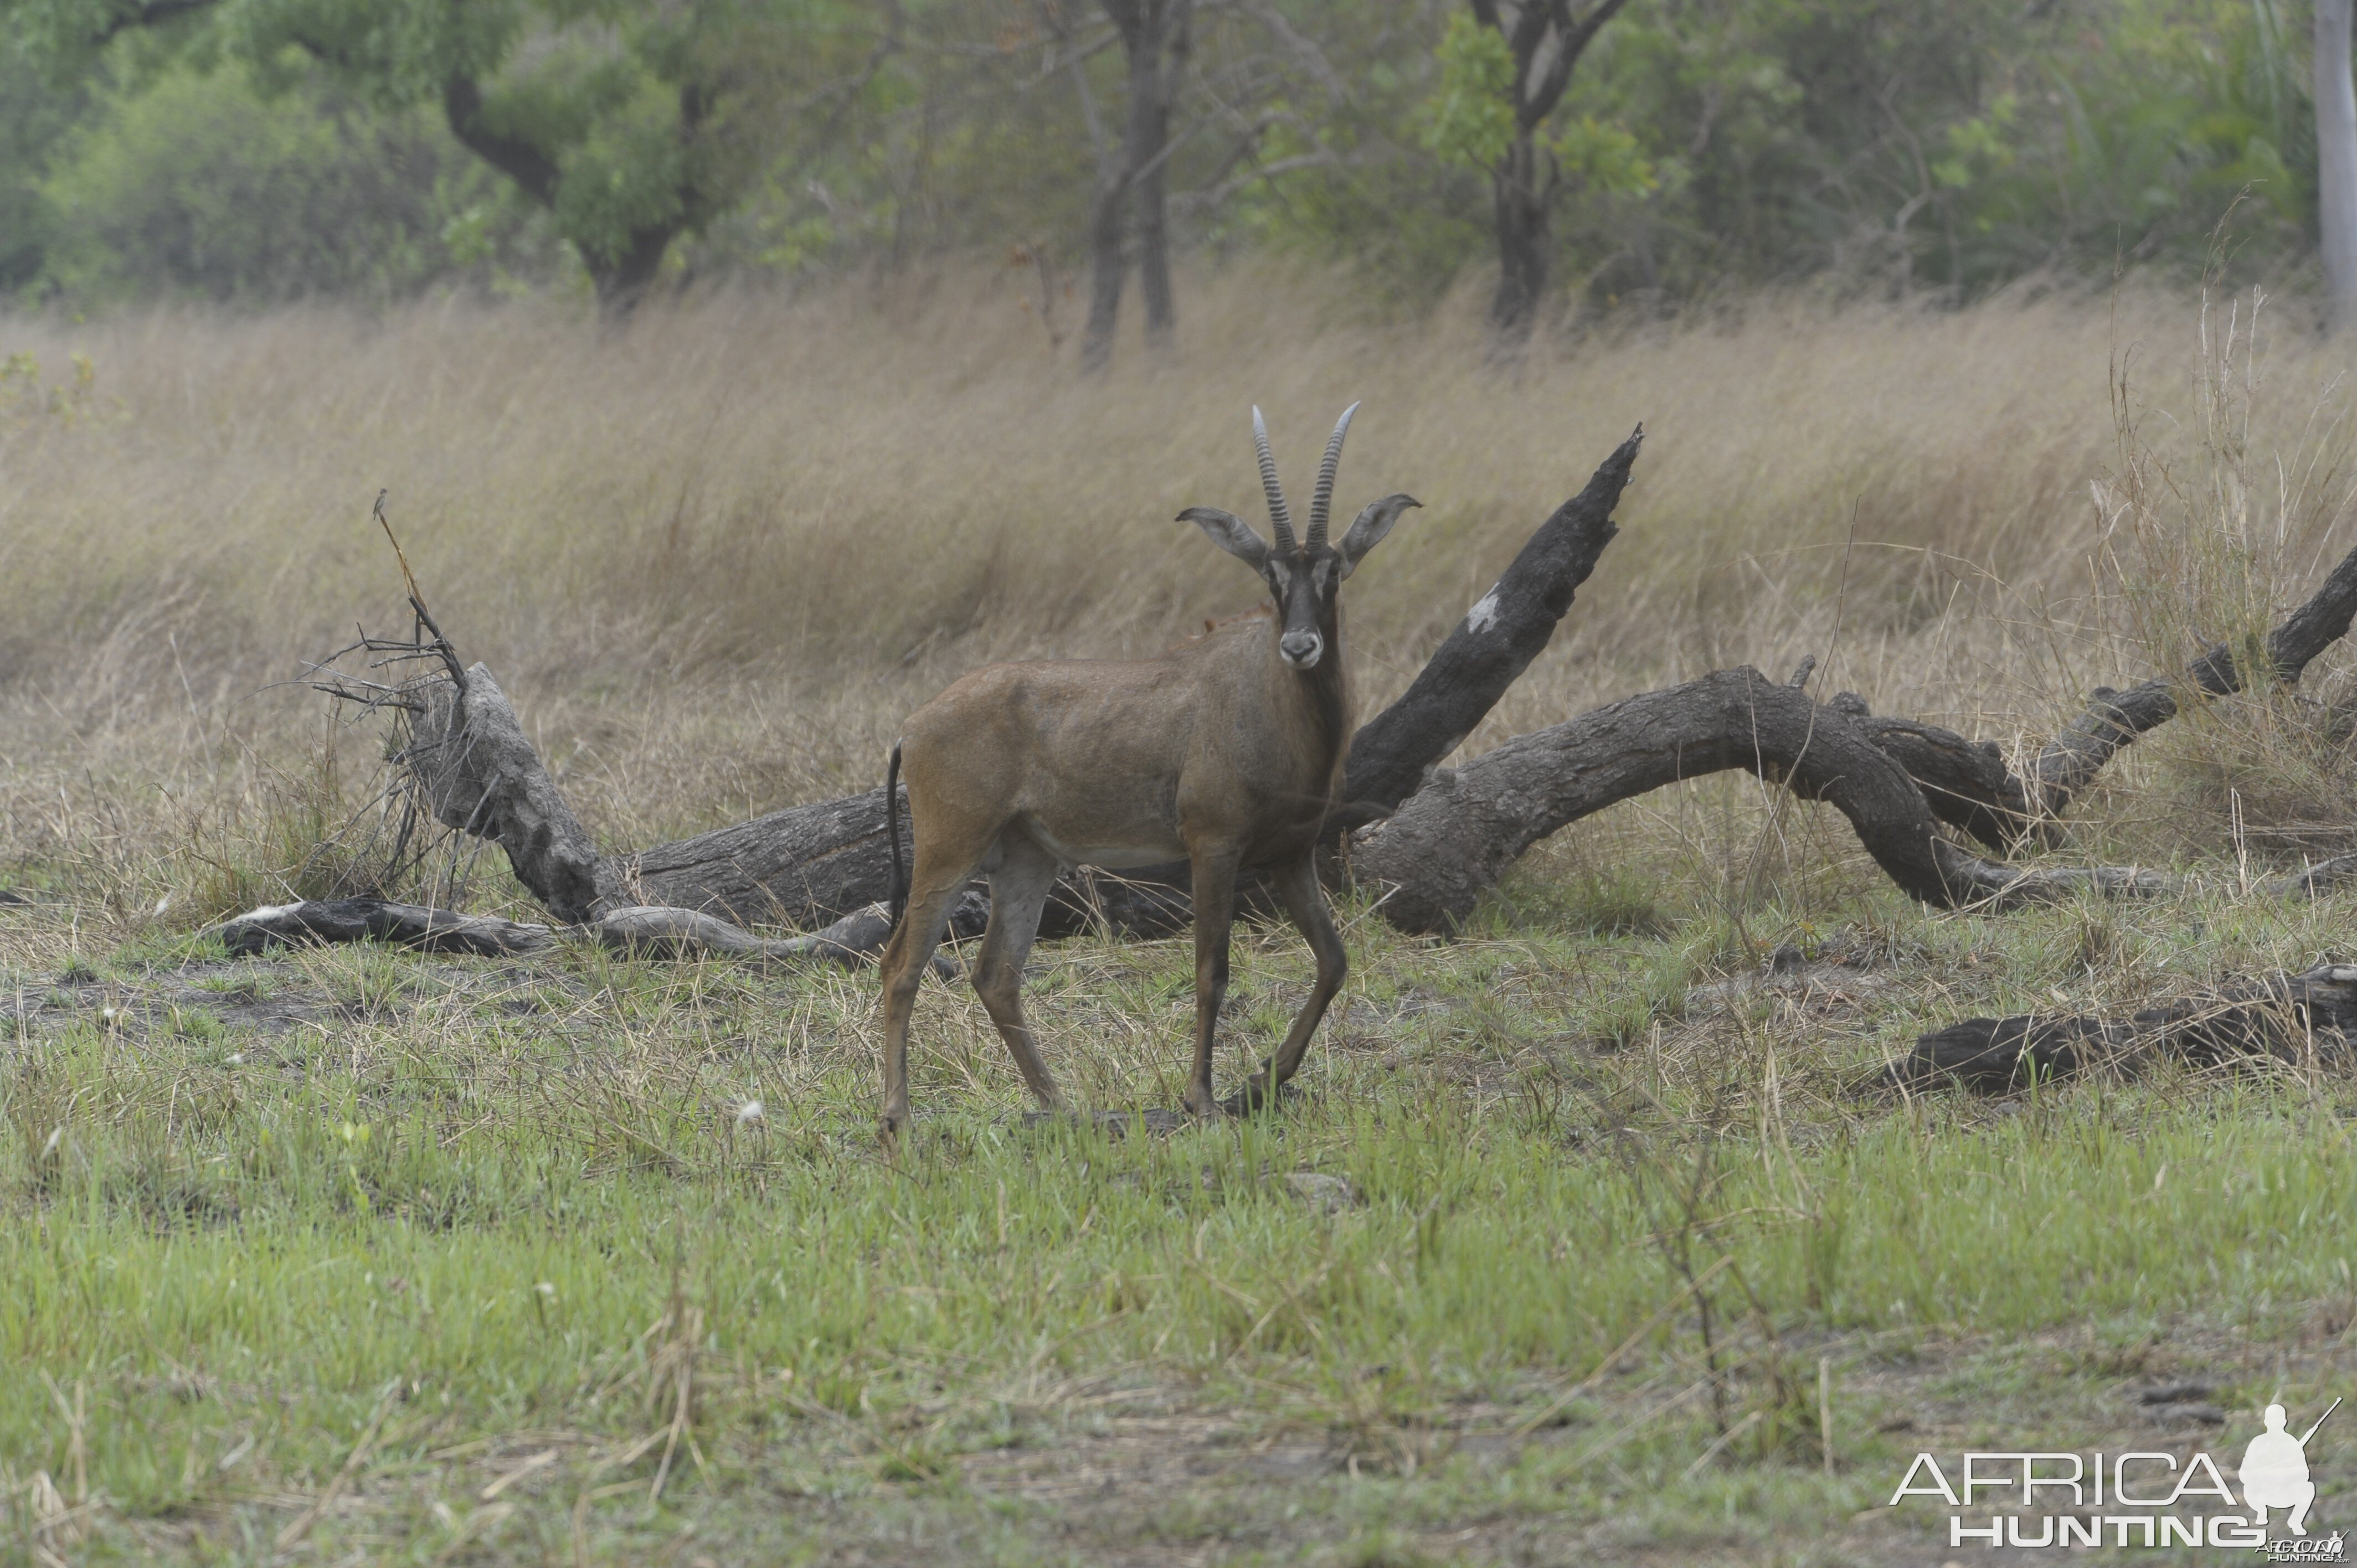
pixel 1320 696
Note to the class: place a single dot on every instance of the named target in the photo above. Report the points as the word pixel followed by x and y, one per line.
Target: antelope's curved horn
pixel 1278 516
pixel 1323 496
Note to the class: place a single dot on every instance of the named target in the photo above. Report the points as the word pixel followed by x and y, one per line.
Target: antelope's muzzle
pixel 1301 649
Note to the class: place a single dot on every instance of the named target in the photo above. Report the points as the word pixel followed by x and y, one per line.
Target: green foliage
pixel 1606 158
pixel 195 184
pixel 630 125
pixel 34 114
pixel 337 145
pixel 1469 118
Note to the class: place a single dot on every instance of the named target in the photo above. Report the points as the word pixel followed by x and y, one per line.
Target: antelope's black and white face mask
pixel 1304 575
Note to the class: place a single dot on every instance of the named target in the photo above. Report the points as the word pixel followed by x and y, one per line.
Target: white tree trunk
pixel 2336 157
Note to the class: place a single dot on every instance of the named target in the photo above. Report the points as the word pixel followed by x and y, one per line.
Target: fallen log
pixel 2115 720
pixel 807 866
pixel 2299 1019
pixel 1507 627
pixel 479 774
pixel 1436 855
pixel 311 922
pixel 1970 787
pixel 665 932
pixel 1965 782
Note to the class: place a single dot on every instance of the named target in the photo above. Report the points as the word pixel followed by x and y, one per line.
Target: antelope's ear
pixel 1230 532
pixel 1369 531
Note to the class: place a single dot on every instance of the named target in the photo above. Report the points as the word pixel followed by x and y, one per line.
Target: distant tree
pixel 1154 43
pixel 632 125
pixel 2335 158
pixel 35 116
pixel 1505 69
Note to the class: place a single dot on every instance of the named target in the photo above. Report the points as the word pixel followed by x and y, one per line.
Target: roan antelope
pixel 1226 751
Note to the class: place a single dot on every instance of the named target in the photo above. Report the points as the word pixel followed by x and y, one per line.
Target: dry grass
pixel 718 553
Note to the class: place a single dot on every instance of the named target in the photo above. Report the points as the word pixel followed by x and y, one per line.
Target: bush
pixel 196 184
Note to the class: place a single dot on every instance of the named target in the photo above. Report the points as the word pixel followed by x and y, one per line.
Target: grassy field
pixel 1596 1235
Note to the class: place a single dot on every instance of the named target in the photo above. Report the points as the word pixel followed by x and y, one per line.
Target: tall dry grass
pixel 716 553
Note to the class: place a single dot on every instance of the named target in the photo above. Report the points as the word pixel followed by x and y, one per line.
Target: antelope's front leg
pixel 1298 889
pixel 1215 911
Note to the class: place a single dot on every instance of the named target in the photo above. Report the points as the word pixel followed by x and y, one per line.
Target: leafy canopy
pixel 632 124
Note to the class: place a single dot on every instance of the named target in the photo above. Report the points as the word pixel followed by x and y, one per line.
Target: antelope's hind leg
pixel 1019 885
pixel 1298 889
pixel 933 887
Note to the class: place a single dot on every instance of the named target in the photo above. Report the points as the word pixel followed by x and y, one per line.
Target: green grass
pixel 513 1223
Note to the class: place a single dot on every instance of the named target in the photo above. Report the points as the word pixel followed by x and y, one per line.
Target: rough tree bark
pixel 480 775
pixel 1506 628
pixel 1454 839
pixel 1965 782
pixel 2304 1020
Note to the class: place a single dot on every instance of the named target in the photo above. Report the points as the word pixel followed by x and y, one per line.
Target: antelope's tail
pixel 899 905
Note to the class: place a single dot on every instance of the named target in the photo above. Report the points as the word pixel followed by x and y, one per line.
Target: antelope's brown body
pixel 1226 751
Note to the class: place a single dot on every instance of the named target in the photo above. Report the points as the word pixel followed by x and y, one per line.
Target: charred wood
pixel 1438 853
pixel 2304 1020
pixel 1451 844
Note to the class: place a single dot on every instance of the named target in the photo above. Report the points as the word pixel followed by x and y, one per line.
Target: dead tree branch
pixel 1454 840
pixel 2303 1020
pixel 2113 720
pixel 1506 628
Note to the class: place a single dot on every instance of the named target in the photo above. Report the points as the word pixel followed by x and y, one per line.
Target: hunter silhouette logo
pixel 2146 1497
pixel 2274 1470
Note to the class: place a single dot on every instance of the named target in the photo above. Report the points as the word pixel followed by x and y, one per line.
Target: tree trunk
pixel 1153 41
pixel 1154 68
pixel 1107 210
pixel 1522 196
pixel 621 281
pixel 2335 158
